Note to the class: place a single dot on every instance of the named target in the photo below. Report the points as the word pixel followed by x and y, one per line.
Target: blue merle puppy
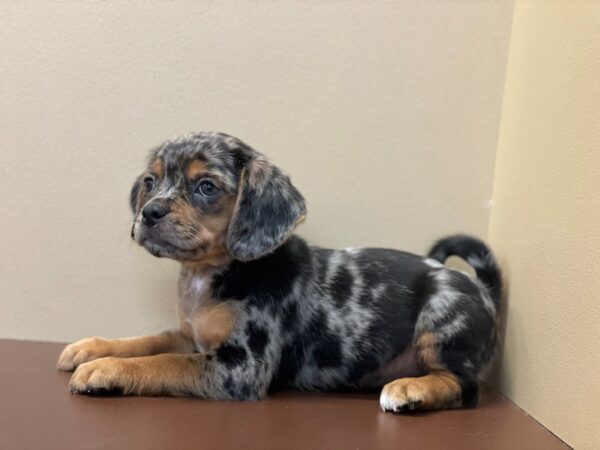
pixel 261 309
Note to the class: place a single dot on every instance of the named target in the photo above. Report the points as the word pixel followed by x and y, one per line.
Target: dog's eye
pixel 149 183
pixel 207 187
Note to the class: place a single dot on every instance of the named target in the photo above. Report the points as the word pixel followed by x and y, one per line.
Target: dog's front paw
pixel 82 351
pixel 102 376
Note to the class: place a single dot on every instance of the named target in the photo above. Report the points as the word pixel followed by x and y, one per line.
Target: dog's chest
pixel 194 293
pixel 205 319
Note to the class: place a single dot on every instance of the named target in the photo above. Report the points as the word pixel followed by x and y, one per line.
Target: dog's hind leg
pixel 455 336
pixel 439 388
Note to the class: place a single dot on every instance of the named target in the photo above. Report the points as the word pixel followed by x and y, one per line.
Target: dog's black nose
pixel 153 212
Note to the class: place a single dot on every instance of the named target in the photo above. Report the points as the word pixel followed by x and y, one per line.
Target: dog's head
pixel 210 196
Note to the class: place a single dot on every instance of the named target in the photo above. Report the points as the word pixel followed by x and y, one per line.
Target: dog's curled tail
pixel 478 255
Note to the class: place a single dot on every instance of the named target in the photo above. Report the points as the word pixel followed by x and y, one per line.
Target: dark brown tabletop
pixel 37 411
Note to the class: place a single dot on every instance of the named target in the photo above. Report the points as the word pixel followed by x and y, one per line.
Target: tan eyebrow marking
pixel 195 168
pixel 158 168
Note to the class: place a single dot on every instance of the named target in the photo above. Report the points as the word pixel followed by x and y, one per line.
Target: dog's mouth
pixel 164 244
pixel 160 249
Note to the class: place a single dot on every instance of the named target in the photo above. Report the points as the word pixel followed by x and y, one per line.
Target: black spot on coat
pixel 327 347
pixel 265 281
pixel 258 337
pixel 290 317
pixel 341 286
pixel 232 355
pixel 292 358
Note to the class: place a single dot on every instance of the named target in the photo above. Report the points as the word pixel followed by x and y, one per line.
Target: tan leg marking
pixel 428 352
pixel 437 390
pixel 165 374
pixel 93 348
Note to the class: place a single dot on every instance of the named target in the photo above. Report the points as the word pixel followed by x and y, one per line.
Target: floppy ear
pixel 268 209
pixel 135 194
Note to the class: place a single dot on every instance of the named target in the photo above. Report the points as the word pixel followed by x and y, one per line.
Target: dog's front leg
pixel 198 374
pixel 164 374
pixel 93 348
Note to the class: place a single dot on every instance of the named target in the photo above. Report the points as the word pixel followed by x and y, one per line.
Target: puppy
pixel 261 309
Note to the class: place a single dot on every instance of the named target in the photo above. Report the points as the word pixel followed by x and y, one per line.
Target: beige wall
pixel 546 216
pixel 386 117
